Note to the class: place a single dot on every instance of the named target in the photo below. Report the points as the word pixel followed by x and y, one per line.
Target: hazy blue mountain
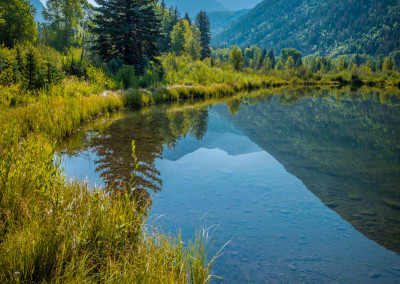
pixel 39 9
pixel 221 19
pixel 194 6
pixel 324 27
pixel 236 5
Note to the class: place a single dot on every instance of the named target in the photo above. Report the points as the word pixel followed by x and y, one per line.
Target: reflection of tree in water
pixel 151 129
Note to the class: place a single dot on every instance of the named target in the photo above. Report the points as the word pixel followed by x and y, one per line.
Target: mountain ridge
pixel 324 27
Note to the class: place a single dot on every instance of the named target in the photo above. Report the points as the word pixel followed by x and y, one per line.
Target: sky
pixel 44 1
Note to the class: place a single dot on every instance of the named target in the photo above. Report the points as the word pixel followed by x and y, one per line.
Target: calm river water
pixel 305 185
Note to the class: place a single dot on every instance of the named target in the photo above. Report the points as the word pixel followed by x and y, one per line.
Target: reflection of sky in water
pixel 82 166
pixel 280 231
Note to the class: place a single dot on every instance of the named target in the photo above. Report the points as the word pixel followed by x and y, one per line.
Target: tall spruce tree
pixel 127 30
pixel 203 24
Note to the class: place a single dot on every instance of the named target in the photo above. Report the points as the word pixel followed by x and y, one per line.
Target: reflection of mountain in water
pixel 347 154
pixel 219 136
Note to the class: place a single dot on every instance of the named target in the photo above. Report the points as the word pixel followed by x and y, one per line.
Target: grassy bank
pixel 57 232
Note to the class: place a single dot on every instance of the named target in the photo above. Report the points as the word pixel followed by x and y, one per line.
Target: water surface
pixel 306 190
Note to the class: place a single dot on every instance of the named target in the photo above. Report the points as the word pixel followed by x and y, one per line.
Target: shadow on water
pixel 344 148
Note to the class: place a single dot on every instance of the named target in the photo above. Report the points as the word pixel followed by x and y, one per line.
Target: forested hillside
pixel 221 19
pixel 325 27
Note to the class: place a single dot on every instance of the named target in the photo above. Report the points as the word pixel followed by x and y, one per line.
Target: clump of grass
pixel 57 232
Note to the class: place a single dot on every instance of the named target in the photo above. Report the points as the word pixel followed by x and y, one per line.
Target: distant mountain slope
pixel 326 27
pixel 39 9
pixel 221 19
pixel 236 5
pixel 194 6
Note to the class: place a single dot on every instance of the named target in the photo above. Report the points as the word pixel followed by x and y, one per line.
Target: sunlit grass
pixel 52 231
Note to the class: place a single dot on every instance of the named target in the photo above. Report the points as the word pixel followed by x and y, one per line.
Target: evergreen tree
pixel 271 56
pixel 128 30
pixel 203 24
pixel 177 14
pixel 357 60
pixel 187 18
pixel 163 6
pixel 31 69
pixel 17 22
pixel 264 53
pixel 53 74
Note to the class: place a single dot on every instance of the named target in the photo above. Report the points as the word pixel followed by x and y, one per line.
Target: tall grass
pixel 53 231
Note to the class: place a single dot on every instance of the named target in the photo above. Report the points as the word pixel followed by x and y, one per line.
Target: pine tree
pixel 187 18
pixel 357 60
pixel 31 69
pixel 177 14
pixel 264 53
pixel 271 56
pixel 163 6
pixel 128 30
pixel 203 24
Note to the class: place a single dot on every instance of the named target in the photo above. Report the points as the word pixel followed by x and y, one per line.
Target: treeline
pixel 258 58
pixel 291 64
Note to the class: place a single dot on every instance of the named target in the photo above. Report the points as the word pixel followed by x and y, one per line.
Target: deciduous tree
pixel 17 22
pixel 236 58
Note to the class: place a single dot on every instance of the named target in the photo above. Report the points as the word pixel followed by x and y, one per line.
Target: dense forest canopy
pixel 324 27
